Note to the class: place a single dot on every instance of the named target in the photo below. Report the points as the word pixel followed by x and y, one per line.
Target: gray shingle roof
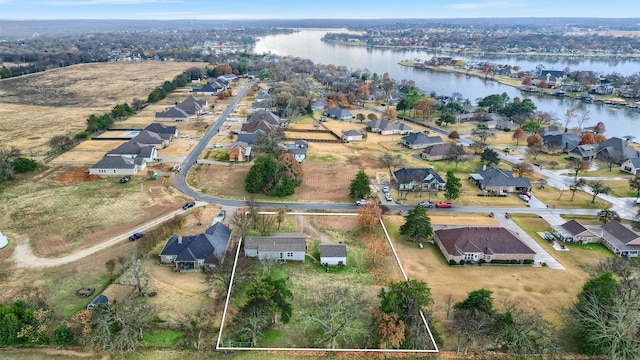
pixel 333 250
pixel 438 149
pixel 613 230
pixel 172 112
pixel 573 227
pixel 420 138
pixel 114 162
pixel 491 176
pixel 408 175
pixel 213 241
pixel 161 128
pixel 277 242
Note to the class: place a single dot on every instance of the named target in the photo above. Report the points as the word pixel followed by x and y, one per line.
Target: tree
pixel 634 184
pixel 241 222
pixel 281 215
pixel 265 224
pixel 519 135
pixel 291 167
pixel 335 316
pixel 360 117
pixel 490 157
pixel 472 317
pixel 457 153
pixel 587 139
pixel 391 161
pixel 599 128
pixel 63 336
pixel 417 225
pixel 273 295
pixel 522 331
pixel 569 116
pixel 359 186
pixel 483 135
pixel 606 215
pixel 372 116
pixel 389 114
pixel 120 326
pixel 522 169
pixel 60 143
pixel 369 215
pixel 24 165
pixel 579 165
pixel 597 188
pixel 446 118
pixel 613 159
pixel 454 135
pixel 390 330
pixel 535 145
pixel 137 269
pixel 268 141
pixel 407 299
pixel 577 185
pixel 583 118
pixel 111 267
pixel 530 127
pixel 452 187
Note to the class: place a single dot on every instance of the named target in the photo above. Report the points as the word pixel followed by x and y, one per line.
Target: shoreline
pixel 450 51
pixel 504 80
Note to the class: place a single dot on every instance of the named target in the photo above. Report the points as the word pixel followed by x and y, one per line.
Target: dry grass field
pixel 37 107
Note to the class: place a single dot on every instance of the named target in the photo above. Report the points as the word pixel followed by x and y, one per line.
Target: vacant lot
pixel 66 209
pixel 36 107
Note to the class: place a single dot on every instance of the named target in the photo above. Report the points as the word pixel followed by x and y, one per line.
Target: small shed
pixel 333 254
pixel 100 299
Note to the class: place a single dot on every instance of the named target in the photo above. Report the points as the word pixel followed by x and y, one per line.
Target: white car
pixel 523 197
pixel 385 189
pixel 361 202
pixel 388 197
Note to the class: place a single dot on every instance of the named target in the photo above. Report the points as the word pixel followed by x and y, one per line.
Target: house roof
pixel 386 125
pixel 264 115
pixel 161 128
pixel 562 140
pixel 250 138
pixel 617 233
pixel 490 176
pixel 351 133
pixel 172 112
pixel 634 161
pixel 488 240
pixel 115 162
pixel 617 147
pixel 130 147
pixel 191 248
pixel 339 113
pixel 206 88
pixel 438 149
pixel 253 126
pixel 333 250
pixel 573 227
pixel 408 175
pixel 420 139
pixel 148 137
pixel 277 242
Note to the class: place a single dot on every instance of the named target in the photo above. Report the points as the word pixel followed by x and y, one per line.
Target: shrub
pixel 482 261
pixel 462 262
pixel 453 262
pixel 63 336
pixel 23 165
pixel 528 262
pixel 514 261
pixel 82 135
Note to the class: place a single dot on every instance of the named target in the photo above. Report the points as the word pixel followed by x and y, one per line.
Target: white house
pixel 117 166
pixel 333 254
pixel 631 166
pixel 281 246
pixel 351 135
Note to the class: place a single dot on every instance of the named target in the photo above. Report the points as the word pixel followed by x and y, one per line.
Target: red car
pixel 443 204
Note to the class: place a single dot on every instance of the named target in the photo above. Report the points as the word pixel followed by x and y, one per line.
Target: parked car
pixel 388 197
pixel 189 205
pixel 221 215
pixel 523 197
pixel 527 194
pixel 136 236
pixel 426 204
pixel 125 179
pixel 385 189
pixel 361 202
pixel 443 204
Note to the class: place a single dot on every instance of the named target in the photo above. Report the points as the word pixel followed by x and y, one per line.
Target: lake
pixel 307 44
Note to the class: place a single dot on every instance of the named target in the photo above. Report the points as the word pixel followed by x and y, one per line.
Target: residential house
pixel 298 149
pixel 240 152
pixel 631 166
pixel 117 166
pixel 319 104
pixel 550 130
pixel 602 89
pixel 196 252
pixel 419 140
pixel 584 152
pixel 473 244
pixel 265 116
pixel 249 138
pixel 173 114
pixel 561 142
pixel 436 151
pixel 333 254
pixel 386 127
pixel 339 114
pixel 193 106
pixel 279 246
pixel 165 131
pixel 253 74
pixel 492 179
pixel 351 135
pixel 134 150
pixel 616 148
pixel 260 105
pixel 409 179
pixel 573 231
pixel 209 89
pixel 146 137
pixel 505 125
pixel 620 239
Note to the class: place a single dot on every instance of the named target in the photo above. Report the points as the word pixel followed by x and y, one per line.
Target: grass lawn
pixel 159 337
pixel 620 188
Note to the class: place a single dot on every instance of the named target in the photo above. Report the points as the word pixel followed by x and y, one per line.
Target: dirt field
pixel 36 107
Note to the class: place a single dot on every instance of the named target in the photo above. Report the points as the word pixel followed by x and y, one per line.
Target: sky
pixel 305 9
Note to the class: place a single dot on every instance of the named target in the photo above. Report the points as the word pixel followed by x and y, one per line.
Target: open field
pixel 36 107
pixel 66 209
pixel 543 289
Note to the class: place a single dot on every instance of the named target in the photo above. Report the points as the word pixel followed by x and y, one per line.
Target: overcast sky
pixel 318 9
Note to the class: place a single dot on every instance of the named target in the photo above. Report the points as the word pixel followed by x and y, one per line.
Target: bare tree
pixel 241 222
pixel 281 215
pixel 583 118
pixel 265 224
pixel 482 135
pixel 111 267
pixel 391 161
pixel 336 314
pixel 457 154
pixel 136 267
pixel 119 327
pixel 253 211
pixel 522 169
pixel 569 116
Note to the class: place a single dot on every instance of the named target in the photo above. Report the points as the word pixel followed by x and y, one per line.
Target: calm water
pixel 306 44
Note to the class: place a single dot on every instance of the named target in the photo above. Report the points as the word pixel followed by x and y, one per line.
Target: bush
pixel 482 261
pixel 462 262
pixel 23 165
pixel 453 262
pixel 63 336
pixel 528 262
pixel 514 261
pixel 82 135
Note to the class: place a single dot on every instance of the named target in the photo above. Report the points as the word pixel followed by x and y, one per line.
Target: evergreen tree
pixel 417 225
pixel 359 186
pixel 452 187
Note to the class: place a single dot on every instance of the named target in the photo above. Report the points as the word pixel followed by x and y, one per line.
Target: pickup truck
pixel 443 204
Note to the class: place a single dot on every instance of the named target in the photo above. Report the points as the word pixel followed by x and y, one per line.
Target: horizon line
pixel 332 19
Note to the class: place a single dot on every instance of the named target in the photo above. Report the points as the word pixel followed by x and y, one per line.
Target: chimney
pixel 180 239
pixel 484 167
